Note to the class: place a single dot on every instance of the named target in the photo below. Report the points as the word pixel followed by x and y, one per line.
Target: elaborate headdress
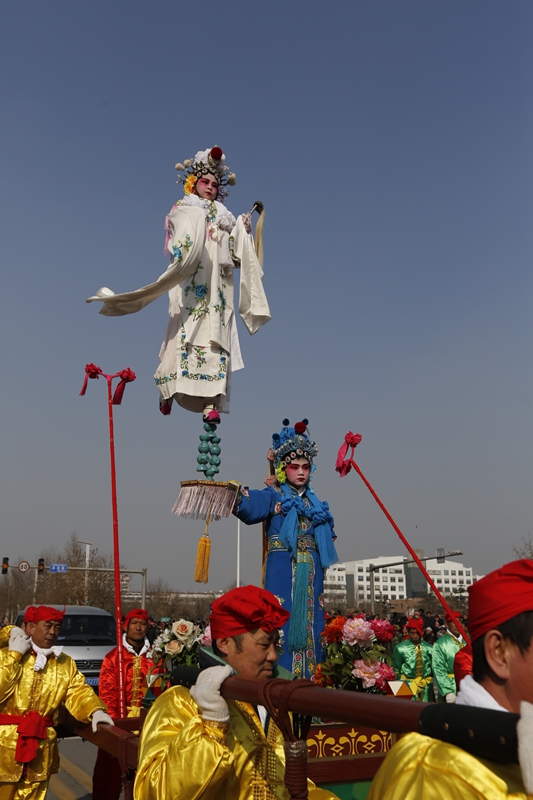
pixel 293 443
pixel 206 162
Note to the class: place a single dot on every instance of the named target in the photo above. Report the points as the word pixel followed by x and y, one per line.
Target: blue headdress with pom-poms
pixel 291 443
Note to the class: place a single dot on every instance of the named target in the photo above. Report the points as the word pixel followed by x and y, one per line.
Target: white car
pixel 87 635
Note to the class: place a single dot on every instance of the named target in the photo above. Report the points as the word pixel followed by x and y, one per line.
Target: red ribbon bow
pixel 343 465
pixel 91 371
pixel 126 376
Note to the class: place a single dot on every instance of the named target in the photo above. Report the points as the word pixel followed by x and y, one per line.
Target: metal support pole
pixel 143 600
pixel 238 552
pixel 372 596
pixel 35 585
pixel 87 563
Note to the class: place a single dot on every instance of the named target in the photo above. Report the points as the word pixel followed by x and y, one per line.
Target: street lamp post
pixel 87 563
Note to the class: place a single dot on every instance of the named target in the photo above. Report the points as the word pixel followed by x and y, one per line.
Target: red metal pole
pixel 410 549
pixel 116 555
pixel 126 376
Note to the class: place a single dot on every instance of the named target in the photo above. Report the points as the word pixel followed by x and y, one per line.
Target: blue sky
pixel 391 145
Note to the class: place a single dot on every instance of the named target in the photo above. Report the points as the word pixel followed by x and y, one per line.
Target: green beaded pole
pixel 209 451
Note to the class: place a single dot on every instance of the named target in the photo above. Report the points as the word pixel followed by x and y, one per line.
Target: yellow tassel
pixel 201 573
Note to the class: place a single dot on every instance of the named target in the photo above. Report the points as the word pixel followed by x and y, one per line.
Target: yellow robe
pixel 421 768
pixel 180 756
pixel 4 635
pixel 21 690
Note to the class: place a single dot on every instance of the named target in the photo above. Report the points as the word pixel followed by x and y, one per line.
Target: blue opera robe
pixel 264 505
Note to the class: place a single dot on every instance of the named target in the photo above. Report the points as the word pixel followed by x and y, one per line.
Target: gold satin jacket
pixel 421 768
pixel 181 756
pixel 21 690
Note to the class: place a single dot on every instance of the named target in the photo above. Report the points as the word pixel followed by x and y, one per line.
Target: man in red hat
pixel 412 660
pixel 444 651
pixel 194 743
pixel 136 662
pixel 500 621
pixel 35 679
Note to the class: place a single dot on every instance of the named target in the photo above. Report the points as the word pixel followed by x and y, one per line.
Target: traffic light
pixel 5 566
pixel 40 568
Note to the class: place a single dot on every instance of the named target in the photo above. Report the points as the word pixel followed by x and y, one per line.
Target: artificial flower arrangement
pixel 175 646
pixel 358 654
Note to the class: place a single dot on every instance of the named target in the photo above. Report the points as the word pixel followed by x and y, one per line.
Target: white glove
pixel 19 641
pixel 100 716
pixel 524 729
pixel 206 693
pixel 451 697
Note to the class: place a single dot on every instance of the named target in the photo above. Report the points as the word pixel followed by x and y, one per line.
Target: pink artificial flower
pixel 368 673
pixel 206 638
pixel 386 673
pixel 383 629
pixel 357 631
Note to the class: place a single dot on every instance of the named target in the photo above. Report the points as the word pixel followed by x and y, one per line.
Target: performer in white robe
pixel 205 243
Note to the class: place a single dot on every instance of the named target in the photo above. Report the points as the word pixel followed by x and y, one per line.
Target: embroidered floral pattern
pixel 199 292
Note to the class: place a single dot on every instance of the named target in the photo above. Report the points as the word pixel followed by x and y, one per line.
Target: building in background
pixel 335 589
pixel 347 585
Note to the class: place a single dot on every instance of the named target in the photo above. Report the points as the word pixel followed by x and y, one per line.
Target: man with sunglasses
pixel 298 544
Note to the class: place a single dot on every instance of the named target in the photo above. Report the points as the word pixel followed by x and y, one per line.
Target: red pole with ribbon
pixel 343 466
pixel 126 376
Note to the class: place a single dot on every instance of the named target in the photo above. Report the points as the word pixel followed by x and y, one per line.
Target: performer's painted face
pixel 207 187
pixel 298 472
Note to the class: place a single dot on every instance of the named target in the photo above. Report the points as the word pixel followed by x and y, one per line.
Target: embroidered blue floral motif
pixel 200 290
pixel 176 251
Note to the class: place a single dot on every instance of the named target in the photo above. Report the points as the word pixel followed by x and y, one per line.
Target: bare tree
pixel 526 550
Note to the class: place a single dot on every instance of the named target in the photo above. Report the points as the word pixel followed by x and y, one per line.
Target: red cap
pixel 462 664
pixel 453 617
pixel 415 623
pixel 47 613
pixel 246 609
pixel 135 613
pixel 500 596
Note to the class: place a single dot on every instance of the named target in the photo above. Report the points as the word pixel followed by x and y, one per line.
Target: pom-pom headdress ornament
pixel 293 443
pixel 206 162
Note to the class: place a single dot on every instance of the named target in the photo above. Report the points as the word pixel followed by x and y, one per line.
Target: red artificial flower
pixel 385 632
pixel 333 631
pixel 216 153
pixel 299 427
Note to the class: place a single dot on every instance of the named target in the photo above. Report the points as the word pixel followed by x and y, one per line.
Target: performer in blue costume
pixel 299 544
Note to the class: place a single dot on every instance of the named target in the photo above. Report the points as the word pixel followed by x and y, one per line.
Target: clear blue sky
pixel 391 145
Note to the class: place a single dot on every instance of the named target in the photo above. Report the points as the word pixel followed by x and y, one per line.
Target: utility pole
pixel 87 562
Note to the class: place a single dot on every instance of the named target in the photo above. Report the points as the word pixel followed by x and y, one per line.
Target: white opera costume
pixel 201 344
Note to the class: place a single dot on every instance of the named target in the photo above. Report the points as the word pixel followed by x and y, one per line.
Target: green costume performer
pixel 444 652
pixel 412 661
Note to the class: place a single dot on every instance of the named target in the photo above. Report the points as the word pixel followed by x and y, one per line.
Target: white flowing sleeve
pixel 188 240
pixel 253 303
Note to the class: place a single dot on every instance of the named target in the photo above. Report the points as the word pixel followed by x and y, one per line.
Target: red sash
pixel 31 727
